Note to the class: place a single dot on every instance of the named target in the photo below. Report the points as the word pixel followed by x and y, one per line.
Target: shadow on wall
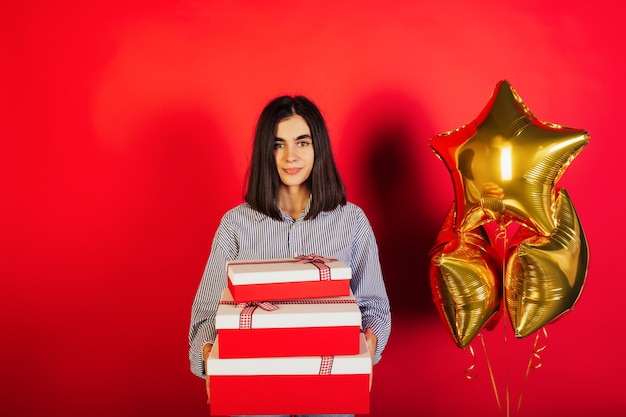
pixel 387 141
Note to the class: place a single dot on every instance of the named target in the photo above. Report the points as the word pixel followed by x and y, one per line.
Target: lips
pixel 292 171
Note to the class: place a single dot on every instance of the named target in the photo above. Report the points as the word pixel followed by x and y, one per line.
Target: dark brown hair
pixel 326 186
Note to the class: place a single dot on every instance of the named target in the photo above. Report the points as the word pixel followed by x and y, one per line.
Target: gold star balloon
pixel 466 281
pixel 545 274
pixel 504 167
pixel 505 163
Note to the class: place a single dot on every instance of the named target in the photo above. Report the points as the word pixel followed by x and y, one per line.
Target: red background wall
pixel 125 131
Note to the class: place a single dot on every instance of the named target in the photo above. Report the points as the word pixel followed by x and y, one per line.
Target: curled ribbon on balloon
pixel 504 167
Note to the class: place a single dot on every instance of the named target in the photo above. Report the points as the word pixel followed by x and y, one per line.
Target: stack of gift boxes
pixel 289 340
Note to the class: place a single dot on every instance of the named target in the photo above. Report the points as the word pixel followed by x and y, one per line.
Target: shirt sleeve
pixel 202 327
pixel 368 285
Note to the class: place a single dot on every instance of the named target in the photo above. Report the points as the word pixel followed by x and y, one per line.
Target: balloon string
pixel 493 380
pixel 506 369
pixel 534 362
pixel 502 235
pixel 506 361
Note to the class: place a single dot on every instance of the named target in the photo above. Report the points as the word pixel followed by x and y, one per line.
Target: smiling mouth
pixel 292 170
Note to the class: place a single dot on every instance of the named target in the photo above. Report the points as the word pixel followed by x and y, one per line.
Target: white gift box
pixel 290 385
pixel 288 278
pixel 288 327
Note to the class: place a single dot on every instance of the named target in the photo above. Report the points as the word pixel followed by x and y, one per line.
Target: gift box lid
pixel 265 271
pixel 295 365
pixel 309 312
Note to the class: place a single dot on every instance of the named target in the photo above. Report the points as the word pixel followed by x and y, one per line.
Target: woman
pixel 295 205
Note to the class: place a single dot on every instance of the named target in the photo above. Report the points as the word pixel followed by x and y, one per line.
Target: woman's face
pixel 293 151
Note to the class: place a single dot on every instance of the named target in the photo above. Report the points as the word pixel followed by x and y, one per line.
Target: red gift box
pixel 309 276
pixel 290 385
pixel 306 327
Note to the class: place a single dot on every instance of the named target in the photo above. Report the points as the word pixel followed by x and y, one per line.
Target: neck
pixel 293 200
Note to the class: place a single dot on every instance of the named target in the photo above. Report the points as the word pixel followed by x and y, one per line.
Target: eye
pixel 304 143
pixel 279 145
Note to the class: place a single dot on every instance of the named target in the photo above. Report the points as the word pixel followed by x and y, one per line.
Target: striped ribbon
pixel 326 366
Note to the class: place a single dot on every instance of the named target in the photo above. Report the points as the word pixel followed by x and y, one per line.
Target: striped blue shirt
pixel 244 233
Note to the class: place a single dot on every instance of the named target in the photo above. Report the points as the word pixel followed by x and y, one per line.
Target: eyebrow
pixel 305 136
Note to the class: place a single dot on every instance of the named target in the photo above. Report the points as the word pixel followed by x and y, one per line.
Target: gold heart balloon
pixel 504 167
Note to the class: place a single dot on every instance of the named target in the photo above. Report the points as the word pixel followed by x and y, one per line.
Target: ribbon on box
pixel 245 317
pixel 318 261
pixel 326 366
pixel 248 309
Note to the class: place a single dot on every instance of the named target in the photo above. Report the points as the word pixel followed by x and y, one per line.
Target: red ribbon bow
pixel 319 262
pixel 245 317
pixel 313 259
pixel 265 305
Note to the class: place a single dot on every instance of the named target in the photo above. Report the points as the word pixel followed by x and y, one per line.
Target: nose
pixel 292 153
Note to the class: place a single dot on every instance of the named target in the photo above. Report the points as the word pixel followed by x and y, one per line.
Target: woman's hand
pixel 206 350
pixel 371 341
